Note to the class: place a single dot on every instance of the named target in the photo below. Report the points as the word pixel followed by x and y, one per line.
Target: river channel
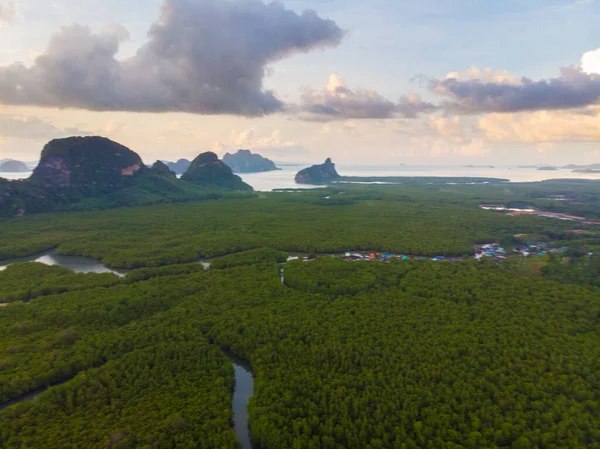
pixel 244 381
pixel 26 397
pixel 77 264
pixel 244 389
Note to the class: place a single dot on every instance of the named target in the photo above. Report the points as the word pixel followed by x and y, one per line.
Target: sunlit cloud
pixel 590 62
pixel 542 126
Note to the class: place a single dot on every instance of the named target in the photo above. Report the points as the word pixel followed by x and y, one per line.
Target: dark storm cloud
pixel 202 56
pixel 572 89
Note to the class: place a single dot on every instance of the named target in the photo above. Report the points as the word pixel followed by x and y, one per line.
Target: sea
pixel 284 178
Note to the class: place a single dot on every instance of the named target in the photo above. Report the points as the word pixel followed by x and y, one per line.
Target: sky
pixel 434 82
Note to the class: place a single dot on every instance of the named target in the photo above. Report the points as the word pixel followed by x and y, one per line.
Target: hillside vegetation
pixel 87 173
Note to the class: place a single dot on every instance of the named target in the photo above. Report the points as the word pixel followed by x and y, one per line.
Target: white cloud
pixel 590 62
pixel 476 147
pixel 450 128
pixel 542 126
pixel 486 75
pixel 270 144
pixel 440 147
pixel 8 11
pixel 249 139
pixel 245 138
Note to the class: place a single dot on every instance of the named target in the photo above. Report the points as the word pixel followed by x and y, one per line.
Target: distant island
pixel 448 180
pixel 586 170
pixel 318 174
pixel 92 172
pixel 178 167
pixel 326 173
pixel 244 161
pixel 478 166
pixel 582 167
pixel 209 171
pixel 11 166
pixel 548 168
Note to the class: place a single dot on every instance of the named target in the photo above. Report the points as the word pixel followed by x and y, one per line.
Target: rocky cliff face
pixel 13 167
pixel 245 162
pixel 209 171
pixel 318 174
pixel 83 173
pixel 86 161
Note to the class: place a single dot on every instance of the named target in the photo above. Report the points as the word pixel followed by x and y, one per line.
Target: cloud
pixel 448 128
pixel 249 139
pixel 486 75
pixel 338 102
pixel 273 144
pixel 590 62
pixel 344 128
pixel 284 154
pixel 202 56
pixel 476 147
pixel 572 89
pixel 8 11
pixel 411 106
pixel 542 126
pixel 27 127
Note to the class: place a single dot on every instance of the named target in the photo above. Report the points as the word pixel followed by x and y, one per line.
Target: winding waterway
pixel 31 395
pixel 244 389
pixel 244 380
pixel 28 396
pixel 78 264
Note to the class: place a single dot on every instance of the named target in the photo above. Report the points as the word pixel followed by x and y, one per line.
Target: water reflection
pixel 76 264
pixel 15 176
pixel 280 179
pixel 244 389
